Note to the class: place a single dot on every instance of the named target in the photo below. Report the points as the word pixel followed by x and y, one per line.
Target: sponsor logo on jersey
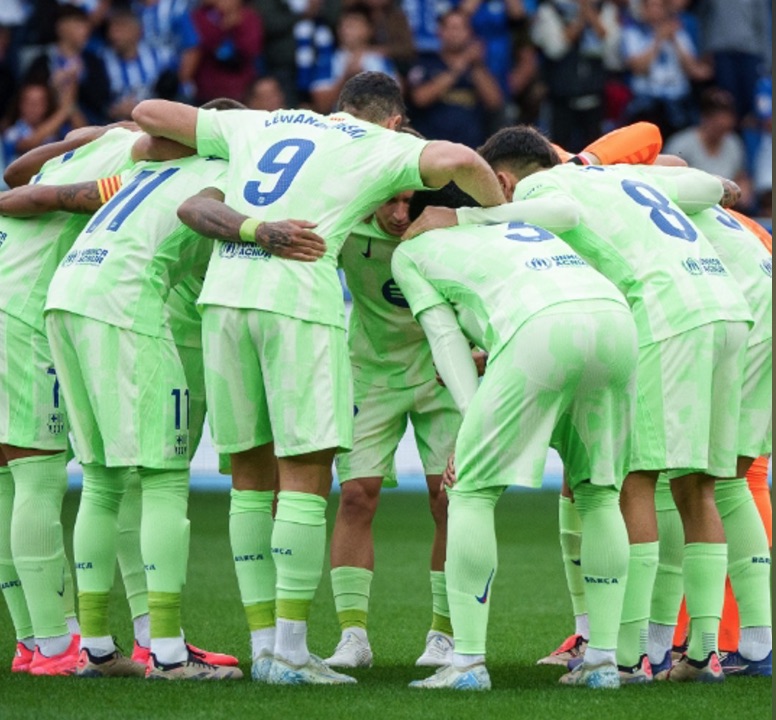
pixel 766 265
pixel 569 260
pixel 601 580
pixel 393 294
pixel 539 263
pixel 228 250
pixel 692 266
pixel 87 256
pixel 56 423
pixel 3 237
pixel 713 266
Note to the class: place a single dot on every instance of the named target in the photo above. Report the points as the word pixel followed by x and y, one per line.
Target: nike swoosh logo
pixel 578 563
pixel 368 253
pixel 482 599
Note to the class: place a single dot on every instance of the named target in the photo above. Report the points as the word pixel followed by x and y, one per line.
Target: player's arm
pixel 158 149
pixel 207 214
pixel 636 144
pixel 442 162
pixel 692 190
pixel 85 197
pixel 164 118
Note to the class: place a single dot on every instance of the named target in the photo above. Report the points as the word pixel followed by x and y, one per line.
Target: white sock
pixel 582 626
pixel 461 661
pixel 262 642
pixel 291 641
pixel 142 625
pixel 169 650
pixel 660 641
pixel 755 642
pixel 54 645
pixel 359 632
pixel 72 625
pixel 99 646
pixel 29 643
pixel 596 656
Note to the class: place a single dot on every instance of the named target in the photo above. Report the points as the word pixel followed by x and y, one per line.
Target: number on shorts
pixel 284 160
pixel 129 197
pixel 667 219
pixel 52 371
pixel 523 232
pixel 176 393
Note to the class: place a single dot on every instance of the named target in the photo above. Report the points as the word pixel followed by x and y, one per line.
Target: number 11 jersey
pixel 295 164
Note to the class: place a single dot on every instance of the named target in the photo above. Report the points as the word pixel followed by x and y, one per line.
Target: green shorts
pixel 271 377
pixel 757 401
pixel 194 369
pixel 572 363
pixel 380 420
pixel 32 409
pixel 689 401
pixel 127 393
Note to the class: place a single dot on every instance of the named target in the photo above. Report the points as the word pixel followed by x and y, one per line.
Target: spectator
pixel 737 35
pixel 713 146
pixel 453 91
pixel 355 55
pixel 572 35
pixel 68 60
pixel 266 94
pixel 167 26
pixel 763 159
pixel 422 16
pixel 391 35
pixel 230 43
pixel 38 116
pixel 297 32
pixel 523 84
pixel 7 75
pixel 133 66
pixel 663 61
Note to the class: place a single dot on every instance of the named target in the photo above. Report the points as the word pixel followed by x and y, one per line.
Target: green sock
pixel 440 615
pixel 472 558
pixel 704 567
pixel 642 567
pixel 164 610
pixel 350 586
pixel 250 534
pixel 605 557
pixel 93 614
pixel 570 526
pixel 669 584
pixel 9 579
pixel 36 539
pixel 69 598
pixel 749 560
pixel 164 532
pixel 96 528
pixel 128 548
pixel 298 547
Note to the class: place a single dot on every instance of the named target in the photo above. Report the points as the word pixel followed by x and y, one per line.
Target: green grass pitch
pixel 530 615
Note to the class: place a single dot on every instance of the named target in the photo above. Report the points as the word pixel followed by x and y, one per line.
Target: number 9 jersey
pixel 295 164
pixel 639 238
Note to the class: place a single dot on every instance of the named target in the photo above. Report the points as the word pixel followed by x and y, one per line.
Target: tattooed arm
pixel 207 214
pixel 38 199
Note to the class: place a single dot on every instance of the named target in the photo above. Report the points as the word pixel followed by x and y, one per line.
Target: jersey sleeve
pixel 215 126
pixel 556 214
pixel 692 190
pixel 417 290
pixel 402 154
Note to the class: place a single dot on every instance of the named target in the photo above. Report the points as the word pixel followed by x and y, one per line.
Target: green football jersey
pixel 31 248
pixel 294 164
pixel 184 316
pixel 387 346
pixel 748 262
pixel 134 249
pixel 637 236
pixel 496 277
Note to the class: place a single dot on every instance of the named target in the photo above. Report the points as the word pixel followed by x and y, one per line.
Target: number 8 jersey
pixel 637 236
pixel 295 164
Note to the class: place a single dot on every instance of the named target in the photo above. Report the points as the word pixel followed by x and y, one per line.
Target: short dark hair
pixel 517 148
pixel 714 100
pixel 371 96
pixel 67 11
pixel 449 196
pixel 222 103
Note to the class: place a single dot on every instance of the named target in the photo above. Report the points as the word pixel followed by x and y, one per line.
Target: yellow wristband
pixel 248 229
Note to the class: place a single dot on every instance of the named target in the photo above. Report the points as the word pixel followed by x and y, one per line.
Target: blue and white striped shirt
pixel 136 77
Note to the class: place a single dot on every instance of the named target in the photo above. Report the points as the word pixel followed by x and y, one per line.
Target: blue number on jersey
pixel 285 169
pixel 667 219
pixel 728 220
pixel 130 197
pixel 523 232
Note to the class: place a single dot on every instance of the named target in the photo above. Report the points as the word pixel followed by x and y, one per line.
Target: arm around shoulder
pixel 172 120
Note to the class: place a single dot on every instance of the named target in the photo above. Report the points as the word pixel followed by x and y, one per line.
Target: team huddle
pixel 614 309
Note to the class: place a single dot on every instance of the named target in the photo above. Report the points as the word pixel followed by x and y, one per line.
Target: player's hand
pixel 291 239
pixel 448 476
pixel 480 361
pixel 431 218
pixel 731 193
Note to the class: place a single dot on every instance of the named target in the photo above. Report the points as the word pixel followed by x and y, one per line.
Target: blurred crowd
pixel 700 69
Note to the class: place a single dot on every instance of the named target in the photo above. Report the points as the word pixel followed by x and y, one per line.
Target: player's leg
pixel 380 419
pixel 239 421
pixel 715 393
pixel 436 421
